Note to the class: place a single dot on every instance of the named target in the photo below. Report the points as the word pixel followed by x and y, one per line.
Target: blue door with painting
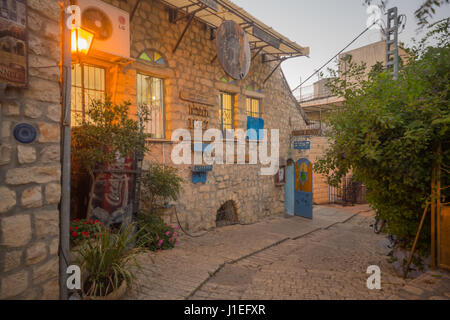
pixel 303 195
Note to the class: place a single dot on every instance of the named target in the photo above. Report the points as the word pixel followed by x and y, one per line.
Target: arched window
pixel 228 79
pixel 152 56
pixel 253 86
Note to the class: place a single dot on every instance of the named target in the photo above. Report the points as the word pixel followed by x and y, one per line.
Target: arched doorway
pixel 227 215
pixel 303 194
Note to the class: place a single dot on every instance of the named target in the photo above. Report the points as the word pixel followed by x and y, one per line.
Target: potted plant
pixel 108 263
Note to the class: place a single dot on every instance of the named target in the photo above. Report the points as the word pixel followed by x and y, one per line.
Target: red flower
pixel 74 234
pixel 71 229
pixel 77 220
pixel 76 228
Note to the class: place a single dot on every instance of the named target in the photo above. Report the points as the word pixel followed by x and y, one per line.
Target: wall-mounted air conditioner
pixel 110 25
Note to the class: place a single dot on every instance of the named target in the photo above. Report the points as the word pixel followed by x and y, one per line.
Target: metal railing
pixel 349 192
pixel 308 93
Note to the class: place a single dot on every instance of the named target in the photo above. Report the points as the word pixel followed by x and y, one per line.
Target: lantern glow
pixel 81 40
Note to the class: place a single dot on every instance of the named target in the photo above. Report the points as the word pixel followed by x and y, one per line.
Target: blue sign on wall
pixel 202 168
pixel 302 145
pixel 256 124
pixel 199 173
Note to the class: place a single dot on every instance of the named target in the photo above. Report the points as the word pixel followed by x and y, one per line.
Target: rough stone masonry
pixel 30 173
pixel 192 68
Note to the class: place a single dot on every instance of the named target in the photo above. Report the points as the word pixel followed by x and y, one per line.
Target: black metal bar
pixel 189 14
pixel 257 52
pixel 273 71
pixel 246 19
pixel 184 32
pixel 188 6
pixel 215 57
pixel 134 10
pixel 282 59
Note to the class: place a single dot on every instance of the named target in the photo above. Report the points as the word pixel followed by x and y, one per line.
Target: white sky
pixel 326 26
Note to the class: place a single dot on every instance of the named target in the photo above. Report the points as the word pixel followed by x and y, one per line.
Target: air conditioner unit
pixel 110 25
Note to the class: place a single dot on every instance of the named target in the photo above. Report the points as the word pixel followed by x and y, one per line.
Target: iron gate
pixel 349 192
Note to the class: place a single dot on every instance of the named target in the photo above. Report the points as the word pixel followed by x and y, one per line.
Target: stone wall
pixel 320 187
pixel 30 173
pixel 190 68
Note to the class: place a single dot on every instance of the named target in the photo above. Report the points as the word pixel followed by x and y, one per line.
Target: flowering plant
pixel 155 234
pixel 83 229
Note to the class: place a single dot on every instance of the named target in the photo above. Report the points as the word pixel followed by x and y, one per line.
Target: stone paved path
pixel 295 258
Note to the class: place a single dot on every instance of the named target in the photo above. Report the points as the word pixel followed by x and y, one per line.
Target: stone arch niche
pixel 227 215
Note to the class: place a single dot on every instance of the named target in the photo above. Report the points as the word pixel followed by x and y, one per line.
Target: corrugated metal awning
pixel 260 35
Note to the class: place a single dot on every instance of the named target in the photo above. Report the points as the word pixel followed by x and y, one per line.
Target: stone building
pixel 30 173
pixel 169 63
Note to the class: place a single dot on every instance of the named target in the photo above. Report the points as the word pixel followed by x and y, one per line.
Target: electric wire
pixel 323 66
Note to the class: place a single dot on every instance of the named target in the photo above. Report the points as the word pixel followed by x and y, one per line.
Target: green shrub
pixel 387 134
pixel 155 234
pixel 160 184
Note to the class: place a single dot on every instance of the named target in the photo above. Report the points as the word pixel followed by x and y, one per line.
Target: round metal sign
pixel 233 50
pixel 25 133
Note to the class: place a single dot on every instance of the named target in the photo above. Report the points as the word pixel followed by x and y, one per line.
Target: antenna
pixel 392 58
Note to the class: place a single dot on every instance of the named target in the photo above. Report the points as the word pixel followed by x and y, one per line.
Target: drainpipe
pixel 64 240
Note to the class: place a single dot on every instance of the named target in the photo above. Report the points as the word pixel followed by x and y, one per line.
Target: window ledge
pixel 154 140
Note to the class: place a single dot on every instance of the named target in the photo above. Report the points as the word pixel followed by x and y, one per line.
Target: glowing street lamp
pixel 81 40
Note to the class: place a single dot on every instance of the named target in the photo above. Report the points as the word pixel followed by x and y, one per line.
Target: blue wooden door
pixel 303 196
pixel 289 190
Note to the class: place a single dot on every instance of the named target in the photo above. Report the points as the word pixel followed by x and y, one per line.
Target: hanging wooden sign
pixel 266 37
pixel 307 132
pixel 233 50
pixel 212 4
pixel 13 43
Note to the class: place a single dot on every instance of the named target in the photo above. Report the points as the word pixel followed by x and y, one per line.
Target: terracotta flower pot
pixel 117 294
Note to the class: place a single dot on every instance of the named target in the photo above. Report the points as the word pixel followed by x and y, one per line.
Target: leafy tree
pixel 388 132
pixel 107 132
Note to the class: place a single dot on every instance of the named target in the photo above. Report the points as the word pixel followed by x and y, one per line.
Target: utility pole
pixel 64 244
pixel 392 58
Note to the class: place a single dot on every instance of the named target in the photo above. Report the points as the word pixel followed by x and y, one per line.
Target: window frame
pixel 163 105
pixel 251 99
pixel 233 104
pixel 84 90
